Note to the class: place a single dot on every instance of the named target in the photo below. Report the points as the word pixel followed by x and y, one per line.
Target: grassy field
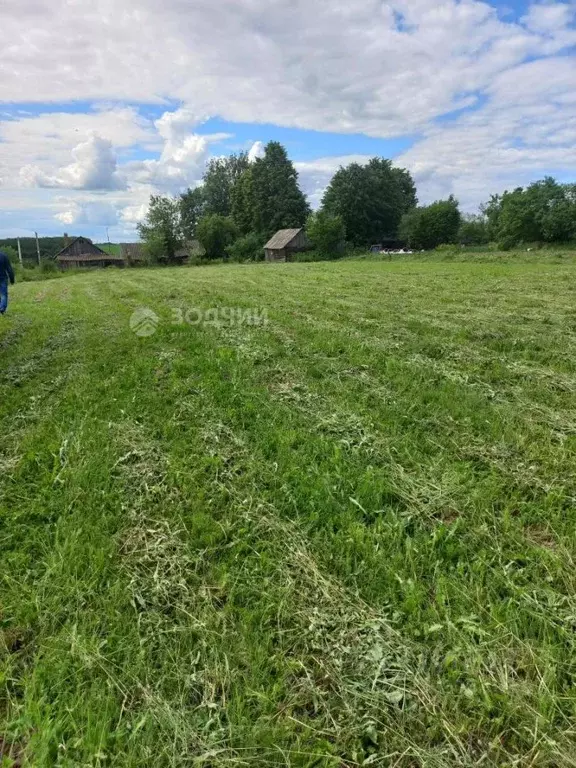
pixel 113 248
pixel 341 537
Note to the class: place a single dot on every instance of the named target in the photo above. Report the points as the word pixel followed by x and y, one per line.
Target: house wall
pixel 83 264
pixel 299 243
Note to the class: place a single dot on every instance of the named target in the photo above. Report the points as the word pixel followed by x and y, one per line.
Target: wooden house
pixel 82 252
pixel 285 243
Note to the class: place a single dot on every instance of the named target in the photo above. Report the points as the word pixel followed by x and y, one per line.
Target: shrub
pixel 11 252
pixel 215 233
pixel 47 267
pixel 327 233
pixel 429 226
pixel 247 248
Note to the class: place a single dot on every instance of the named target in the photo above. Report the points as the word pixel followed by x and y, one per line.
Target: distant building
pixel 81 252
pixel 133 254
pixel 285 243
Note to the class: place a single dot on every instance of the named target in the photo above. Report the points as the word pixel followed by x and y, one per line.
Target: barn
pixel 82 252
pixel 133 254
pixel 285 243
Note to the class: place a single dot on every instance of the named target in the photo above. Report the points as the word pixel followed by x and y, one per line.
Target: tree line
pixel 241 204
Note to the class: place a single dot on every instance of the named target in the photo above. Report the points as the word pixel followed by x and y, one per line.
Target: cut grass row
pixel 345 537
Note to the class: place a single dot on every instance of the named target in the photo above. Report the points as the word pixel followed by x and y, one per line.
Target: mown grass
pixel 345 537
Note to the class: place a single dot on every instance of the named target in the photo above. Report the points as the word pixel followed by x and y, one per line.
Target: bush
pixel 247 248
pixel 473 231
pixel 215 233
pixel 327 233
pixel 507 244
pixel 34 274
pixel 11 252
pixel 429 226
pixel 47 267
pixel 154 248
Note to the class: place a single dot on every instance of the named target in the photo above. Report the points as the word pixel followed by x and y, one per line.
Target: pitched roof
pixel 282 238
pixel 71 243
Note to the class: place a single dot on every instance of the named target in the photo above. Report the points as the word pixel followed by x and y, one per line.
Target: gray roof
pixel 133 251
pixel 282 238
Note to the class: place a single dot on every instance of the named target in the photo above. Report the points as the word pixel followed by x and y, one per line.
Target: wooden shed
pixel 82 252
pixel 285 243
pixel 133 254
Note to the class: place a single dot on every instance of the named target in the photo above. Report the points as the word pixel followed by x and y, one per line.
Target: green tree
pixel 192 205
pixel 558 222
pixel 517 221
pixel 432 225
pixel 326 232
pixel 161 231
pixel 249 247
pixel 220 177
pixel 243 203
pixel 216 233
pixel 279 203
pixel 407 188
pixel 473 230
pixel 545 211
pixel 370 199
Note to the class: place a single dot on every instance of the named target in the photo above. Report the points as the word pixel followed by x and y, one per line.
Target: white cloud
pixel 47 141
pixel 89 214
pixel 180 165
pixel 256 151
pixel 94 168
pixel 549 18
pixel 183 156
pixel 134 214
pixel 314 175
pixel 526 129
pixel 380 69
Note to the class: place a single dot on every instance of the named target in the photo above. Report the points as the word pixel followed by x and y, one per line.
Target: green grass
pixel 343 538
pixel 111 248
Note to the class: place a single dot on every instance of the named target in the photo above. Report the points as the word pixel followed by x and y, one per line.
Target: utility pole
pixel 38 248
pixel 109 244
pixel 20 253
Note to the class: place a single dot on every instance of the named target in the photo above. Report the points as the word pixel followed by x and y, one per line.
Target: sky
pixel 103 103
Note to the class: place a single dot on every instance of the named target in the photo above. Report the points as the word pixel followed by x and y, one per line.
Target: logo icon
pixel 144 322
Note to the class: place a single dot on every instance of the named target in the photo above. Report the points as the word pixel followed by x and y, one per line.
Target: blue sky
pixel 471 97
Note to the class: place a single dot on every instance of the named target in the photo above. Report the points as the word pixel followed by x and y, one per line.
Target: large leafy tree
pixel 545 211
pixel 431 225
pixel 370 199
pixel 243 202
pixel 278 201
pixel 161 231
pixel 219 179
pixel 326 232
pixel 407 188
pixel 192 207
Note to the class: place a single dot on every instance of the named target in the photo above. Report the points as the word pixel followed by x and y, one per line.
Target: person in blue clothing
pixel 6 273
